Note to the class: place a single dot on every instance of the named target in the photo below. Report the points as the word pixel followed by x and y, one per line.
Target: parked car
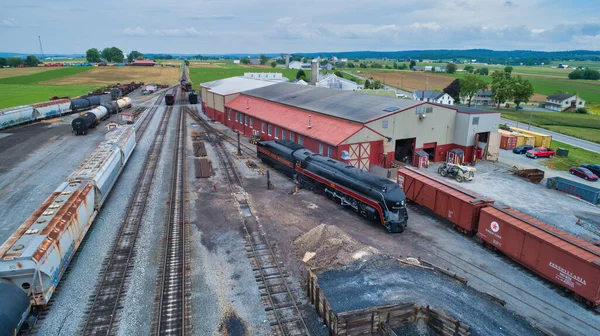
pixel 522 149
pixel 594 168
pixel 584 173
pixel 540 152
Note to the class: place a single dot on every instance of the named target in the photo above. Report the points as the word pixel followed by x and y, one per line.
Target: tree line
pixel 111 54
pixel 30 61
pixel 504 87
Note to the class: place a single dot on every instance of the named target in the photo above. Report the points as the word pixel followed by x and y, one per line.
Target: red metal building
pixel 143 63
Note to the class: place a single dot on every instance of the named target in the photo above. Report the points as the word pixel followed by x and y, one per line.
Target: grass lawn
pixel 22 94
pixel 583 126
pixel 202 75
pixel 44 76
pixel 577 157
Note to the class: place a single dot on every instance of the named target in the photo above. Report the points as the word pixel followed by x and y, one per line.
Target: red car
pixel 584 173
pixel 540 152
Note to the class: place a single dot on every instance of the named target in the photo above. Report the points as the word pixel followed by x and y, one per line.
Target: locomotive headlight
pixel 402 203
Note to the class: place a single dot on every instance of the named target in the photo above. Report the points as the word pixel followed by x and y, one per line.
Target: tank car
pixel 373 197
pixel 124 103
pixel 83 123
pixel 35 256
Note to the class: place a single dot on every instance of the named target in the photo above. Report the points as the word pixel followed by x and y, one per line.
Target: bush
pixel 582 110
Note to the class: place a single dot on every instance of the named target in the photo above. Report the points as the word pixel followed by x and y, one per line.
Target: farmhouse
pixel 298 65
pixel 564 101
pixel 363 130
pixel 433 97
pixel 482 98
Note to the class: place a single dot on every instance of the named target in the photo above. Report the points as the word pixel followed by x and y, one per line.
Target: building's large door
pixel 359 155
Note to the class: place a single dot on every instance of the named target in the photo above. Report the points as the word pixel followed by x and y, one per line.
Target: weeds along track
pixel 270 274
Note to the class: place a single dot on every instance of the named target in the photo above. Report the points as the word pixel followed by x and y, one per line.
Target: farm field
pixel 111 75
pixel 205 74
pixel 43 76
pixel 583 126
pixel 23 94
pixel 577 157
pixel 13 72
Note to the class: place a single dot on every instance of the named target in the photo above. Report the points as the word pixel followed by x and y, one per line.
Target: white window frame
pixel 262 127
pixel 282 134
pixel 292 139
pixel 245 120
pixel 229 114
pixel 321 149
pixel 276 135
pixel 237 116
pixel 269 129
pixel 250 122
pixel 329 152
pixel 300 140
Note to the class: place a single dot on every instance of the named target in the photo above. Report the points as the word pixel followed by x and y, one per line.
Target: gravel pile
pixel 384 281
pixel 327 245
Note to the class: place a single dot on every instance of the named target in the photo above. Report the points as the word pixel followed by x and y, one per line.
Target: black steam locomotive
pixel 373 197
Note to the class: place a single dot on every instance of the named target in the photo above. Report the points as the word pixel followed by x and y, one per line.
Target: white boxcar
pixel 35 256
pixel 54 108
pixel 17 115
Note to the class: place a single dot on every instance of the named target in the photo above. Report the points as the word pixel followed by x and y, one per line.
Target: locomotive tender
pixel 373 197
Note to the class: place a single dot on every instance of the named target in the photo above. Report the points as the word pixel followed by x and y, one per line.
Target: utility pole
pixel 41 49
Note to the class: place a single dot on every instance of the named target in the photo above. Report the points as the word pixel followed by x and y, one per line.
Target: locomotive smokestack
pixel 309 125
pixel 314 72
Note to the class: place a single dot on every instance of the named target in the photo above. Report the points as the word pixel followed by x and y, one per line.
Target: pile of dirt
pixel 327 245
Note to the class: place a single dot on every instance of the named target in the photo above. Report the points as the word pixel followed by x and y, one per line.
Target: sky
pixel 265 26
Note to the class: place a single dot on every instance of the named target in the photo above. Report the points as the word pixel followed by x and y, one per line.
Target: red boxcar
pixel 459 206
pixel 546 250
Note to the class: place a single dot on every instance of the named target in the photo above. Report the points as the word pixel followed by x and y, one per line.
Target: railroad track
pixel 172 304
pixel 270 274
pixel 515 292
pixel 104 305
pixel 142 129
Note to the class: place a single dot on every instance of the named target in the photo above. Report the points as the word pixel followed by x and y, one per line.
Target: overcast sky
pixel 257 26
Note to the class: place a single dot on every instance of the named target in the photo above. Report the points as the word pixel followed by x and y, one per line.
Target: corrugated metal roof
pixel 560 96
pixel 234 85
pixel 347 105
pixel 324 128
pixel 428 94
pixel 550 234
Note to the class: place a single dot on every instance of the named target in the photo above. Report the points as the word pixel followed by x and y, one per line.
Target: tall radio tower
pixel 41 49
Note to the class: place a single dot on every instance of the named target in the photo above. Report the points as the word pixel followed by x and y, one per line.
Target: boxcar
pixel 457 205
pixel 552 253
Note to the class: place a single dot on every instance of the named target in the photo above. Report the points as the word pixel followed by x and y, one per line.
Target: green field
pixel 577 157
pixel 583 126
pixel 23 94
pixel 23 90
pixel 44 76
pixel 203 75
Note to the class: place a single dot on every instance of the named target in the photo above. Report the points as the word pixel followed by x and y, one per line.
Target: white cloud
pixel 284 20
pixel 137 31
pixel 537 31
pixel 8 23
pixel 186 32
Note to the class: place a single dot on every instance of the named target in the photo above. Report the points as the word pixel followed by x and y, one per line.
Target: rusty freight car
pixel 457 205
pixel 552 253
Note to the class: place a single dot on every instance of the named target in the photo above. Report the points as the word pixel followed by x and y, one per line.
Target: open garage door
pixel 359 155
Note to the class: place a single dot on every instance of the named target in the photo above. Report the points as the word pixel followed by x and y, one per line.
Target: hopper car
pixel 374 198
pixel 551 253
pixel 29 113
pixel 35 257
